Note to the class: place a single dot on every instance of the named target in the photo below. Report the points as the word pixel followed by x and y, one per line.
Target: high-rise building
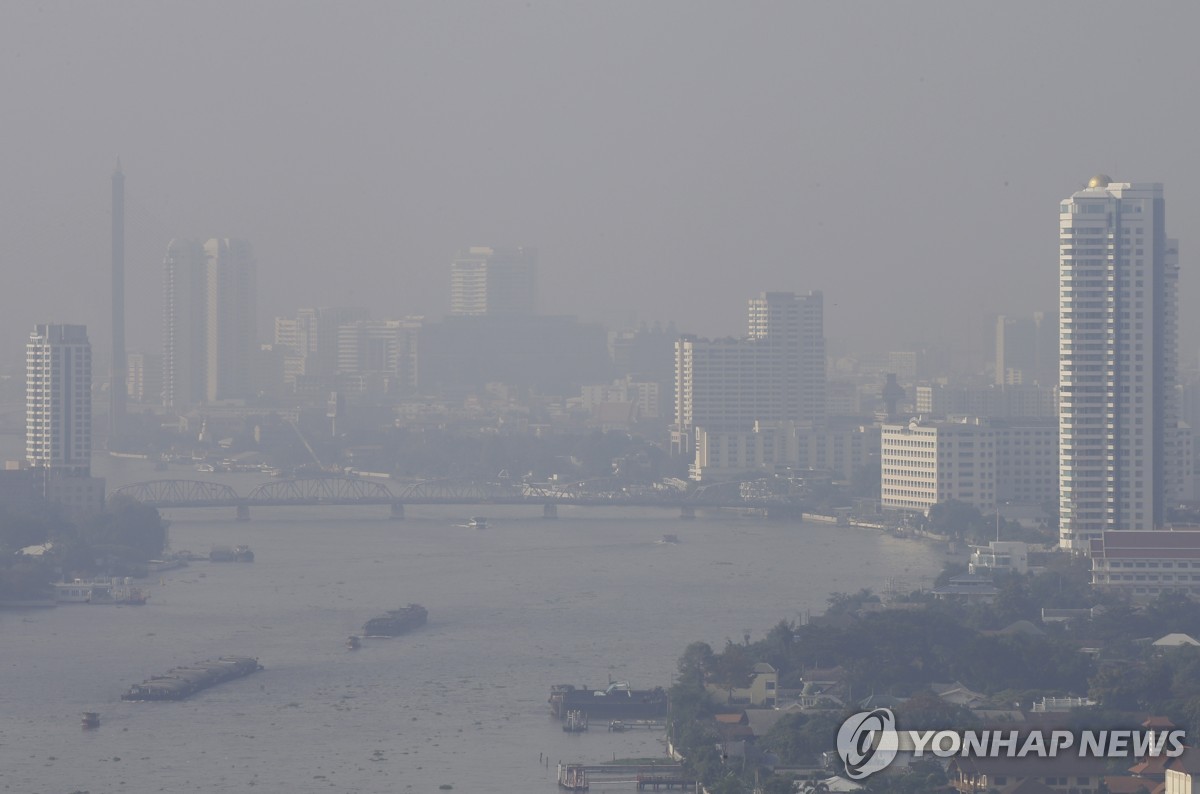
pixel 794 327
pixel 210 335
pixel 185 294
pixel 58 399
pixel 775 374
pixel 1121 446
pixel 494 281
pixel 232 327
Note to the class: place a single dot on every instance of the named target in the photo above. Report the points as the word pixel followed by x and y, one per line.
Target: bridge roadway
pixel 331 491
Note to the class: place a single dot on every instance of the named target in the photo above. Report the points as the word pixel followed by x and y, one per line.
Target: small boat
pixel 477 522
pixel 668 539
pixel 354 643
pixel 226 554
pixel 91 719
pixel 206 467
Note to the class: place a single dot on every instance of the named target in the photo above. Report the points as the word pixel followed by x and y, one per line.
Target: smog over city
pixel 533 396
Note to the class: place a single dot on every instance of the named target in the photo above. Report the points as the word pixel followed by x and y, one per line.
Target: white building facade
pixel 58 399
pixel 1122 450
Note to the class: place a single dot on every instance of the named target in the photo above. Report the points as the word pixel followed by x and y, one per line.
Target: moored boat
pixel 617 700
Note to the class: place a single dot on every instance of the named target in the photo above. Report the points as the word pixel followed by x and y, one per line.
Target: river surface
pixel 514 608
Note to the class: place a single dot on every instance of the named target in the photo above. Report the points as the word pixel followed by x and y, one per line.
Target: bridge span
pixel 332 491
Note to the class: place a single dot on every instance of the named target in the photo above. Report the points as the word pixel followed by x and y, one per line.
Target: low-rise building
pixel 1145 564
pixel 1000 556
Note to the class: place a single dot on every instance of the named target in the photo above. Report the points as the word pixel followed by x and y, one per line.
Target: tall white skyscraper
pixel 58 399
pixel 210 333
pixel 1121 447
pixel 494 281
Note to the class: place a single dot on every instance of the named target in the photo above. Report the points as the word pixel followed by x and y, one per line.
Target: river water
pixel 513 609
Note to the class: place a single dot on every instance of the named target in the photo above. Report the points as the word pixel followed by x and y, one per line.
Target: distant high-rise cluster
pixel 210 335
pixel 1122 452
pixel 494 281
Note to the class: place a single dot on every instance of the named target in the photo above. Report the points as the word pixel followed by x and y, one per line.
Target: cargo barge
pixel 183 682
pixel 396 622
pixel 617 700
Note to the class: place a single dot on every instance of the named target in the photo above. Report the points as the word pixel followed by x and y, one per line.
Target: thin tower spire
pixel 116 383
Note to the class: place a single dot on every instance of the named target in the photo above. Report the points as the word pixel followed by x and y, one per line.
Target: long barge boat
pixel 183 682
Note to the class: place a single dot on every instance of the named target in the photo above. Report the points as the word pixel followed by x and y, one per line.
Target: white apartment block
pixel 1121 445
pixel 981 462
pixel 58 399
pixel 924 463
pixel 1145 564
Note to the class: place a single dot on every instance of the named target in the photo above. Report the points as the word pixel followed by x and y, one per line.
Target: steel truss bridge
pixel 330 491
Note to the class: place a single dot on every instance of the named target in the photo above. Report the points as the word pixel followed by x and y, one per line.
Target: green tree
pixel 696 663
pixel 130 526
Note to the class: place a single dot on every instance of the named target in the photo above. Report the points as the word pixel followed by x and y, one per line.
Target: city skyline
pixel 654 178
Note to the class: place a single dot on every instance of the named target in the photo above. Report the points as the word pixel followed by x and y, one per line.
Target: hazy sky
pixel 669 160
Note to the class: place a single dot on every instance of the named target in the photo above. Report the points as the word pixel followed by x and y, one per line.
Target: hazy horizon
pixel 667 160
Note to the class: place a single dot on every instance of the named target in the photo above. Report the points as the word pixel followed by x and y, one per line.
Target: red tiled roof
pixel 1155 543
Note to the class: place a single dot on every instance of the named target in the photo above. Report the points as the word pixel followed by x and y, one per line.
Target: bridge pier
pixel 397 511
pixel 550 511
pixel 243 512
pixel 687 512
